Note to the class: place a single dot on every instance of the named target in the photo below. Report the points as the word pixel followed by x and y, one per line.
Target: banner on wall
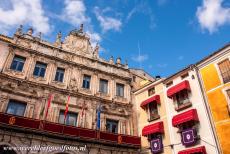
pixel 189 137
pixel 156 145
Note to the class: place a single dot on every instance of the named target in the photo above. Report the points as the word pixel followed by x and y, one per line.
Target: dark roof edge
pixel 197 63
pixel 213 54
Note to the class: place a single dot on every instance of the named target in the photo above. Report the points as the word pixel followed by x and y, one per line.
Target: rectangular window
pixel 224 67
pixel 18 63
pixel 103 86
pixel 228 93
pixel 111 126
pixel 86 82
pixel 120 89
pixel 153 111
pixel 181 98
pixel 16 108
pixel 59 74
pixel 40 69
pixel 169 84
pixel 71 118
pixel 184 75
pixel 151 91
pixel 228 106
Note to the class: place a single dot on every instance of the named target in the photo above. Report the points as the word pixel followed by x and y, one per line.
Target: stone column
pixel 113 88
pixel 4 98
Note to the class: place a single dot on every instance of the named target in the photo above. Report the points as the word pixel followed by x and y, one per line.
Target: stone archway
pixel 6 149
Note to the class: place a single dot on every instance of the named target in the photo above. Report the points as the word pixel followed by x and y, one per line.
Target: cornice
pixel 71 63
pixel 65 51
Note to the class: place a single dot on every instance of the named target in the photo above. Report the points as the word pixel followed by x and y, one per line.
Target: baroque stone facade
pixel 76 56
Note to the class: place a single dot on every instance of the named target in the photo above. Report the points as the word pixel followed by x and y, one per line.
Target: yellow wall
pixel 218 104
pixel 210 77
pixel 142 118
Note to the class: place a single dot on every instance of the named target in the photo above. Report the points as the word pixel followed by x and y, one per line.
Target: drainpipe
pixel 207 108
pixel 169 117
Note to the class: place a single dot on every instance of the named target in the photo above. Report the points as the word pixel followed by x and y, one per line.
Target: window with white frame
pixel 228 95
pixel 112 126
pixel 86 82
pixel 224 67
pixel 120 90
pixel 16 108
pixel 181 98
pixel 71 118
pixel 103 86
pixel 59 76
pixel 153 111
pixel 151 91
pixel 18 63
pixel 40 69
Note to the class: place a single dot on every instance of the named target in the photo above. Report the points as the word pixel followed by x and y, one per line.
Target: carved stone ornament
pixel 19 30
pixel 96 50
pixel 68 57
pixel 24 43
pixel 73 84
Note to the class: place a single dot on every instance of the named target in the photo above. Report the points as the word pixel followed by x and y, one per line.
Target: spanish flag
pixel 48 105
pixel 66 107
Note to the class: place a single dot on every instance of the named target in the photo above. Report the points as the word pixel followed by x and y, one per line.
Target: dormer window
pixel 151 91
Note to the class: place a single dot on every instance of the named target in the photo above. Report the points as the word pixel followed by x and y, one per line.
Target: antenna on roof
pixel 139 54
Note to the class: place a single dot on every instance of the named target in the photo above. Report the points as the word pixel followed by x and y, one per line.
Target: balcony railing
pixel 56 129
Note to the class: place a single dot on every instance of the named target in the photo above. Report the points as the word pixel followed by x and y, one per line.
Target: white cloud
pixel 140 58
pixel 144 8
pixel 23 12
pixel 107 23
pixel 94 37
pixel 74 12
pixel 211 15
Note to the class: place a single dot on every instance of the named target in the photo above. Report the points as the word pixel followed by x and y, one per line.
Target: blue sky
pixel 160 36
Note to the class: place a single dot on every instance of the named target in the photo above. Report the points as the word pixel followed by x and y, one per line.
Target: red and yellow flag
pixel 66 107
pixel 48 105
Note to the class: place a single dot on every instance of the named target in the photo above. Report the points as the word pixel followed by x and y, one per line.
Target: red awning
pixel 155 98
pixel 194 150
pixel 153 128
pixel 177 88
pixel 190 115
